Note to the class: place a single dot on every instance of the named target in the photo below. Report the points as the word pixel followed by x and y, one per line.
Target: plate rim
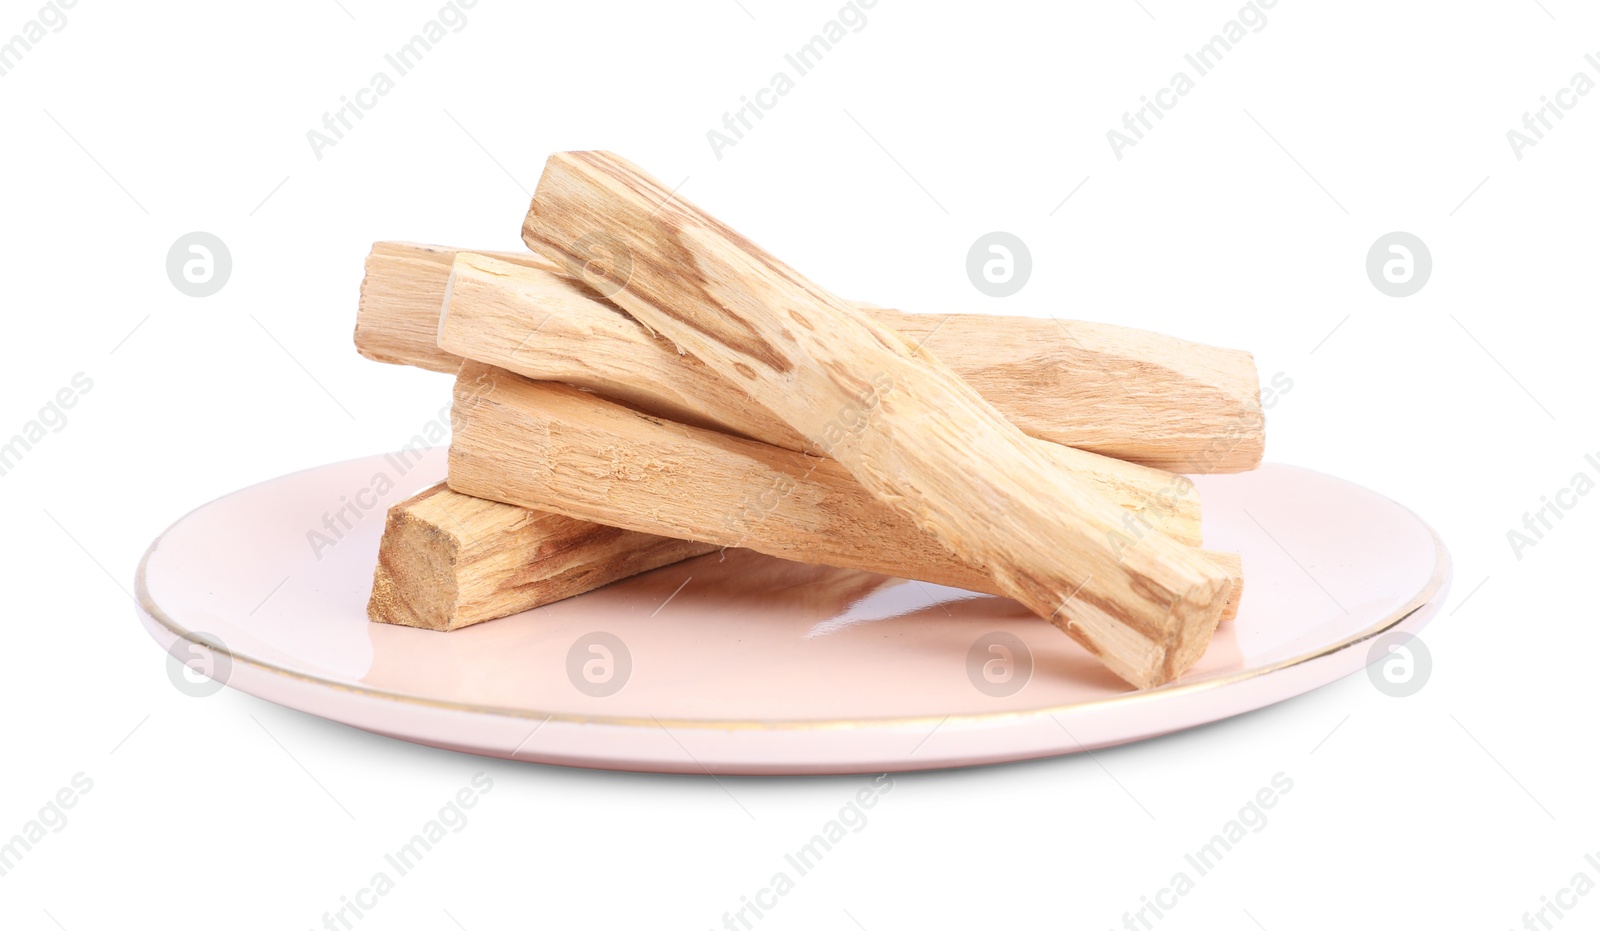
pixel 147 606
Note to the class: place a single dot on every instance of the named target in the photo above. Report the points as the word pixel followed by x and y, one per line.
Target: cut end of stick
pixel 450 560
pixel 402 293
pixel 415 581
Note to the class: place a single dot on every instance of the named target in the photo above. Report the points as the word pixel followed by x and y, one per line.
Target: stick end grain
pixel 414 584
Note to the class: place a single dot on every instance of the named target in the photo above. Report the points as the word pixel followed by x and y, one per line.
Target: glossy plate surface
pixel 741 663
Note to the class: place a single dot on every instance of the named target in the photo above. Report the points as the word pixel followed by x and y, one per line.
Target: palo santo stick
pixel 910 431
pixel 448 560
pixel 551 447
pixel 548 446
pixel 1132 394
pixel 581 341
pixel 397 320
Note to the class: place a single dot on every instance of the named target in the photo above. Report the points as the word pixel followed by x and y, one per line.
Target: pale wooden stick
pixel 548 446
pixel 581 341
pixel 402 293
pixel 1135 395
pixel 448 560
pixel 551 447
pixel 904 425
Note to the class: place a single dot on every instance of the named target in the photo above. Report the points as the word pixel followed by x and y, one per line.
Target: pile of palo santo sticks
pixel 647 385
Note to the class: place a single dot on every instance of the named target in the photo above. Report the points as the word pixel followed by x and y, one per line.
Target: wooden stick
pixel 909 430
pixel 547 446
pixel 1137 395
pixel 448 560
pixel 402 292
pixel 1117 391
pixel 580 341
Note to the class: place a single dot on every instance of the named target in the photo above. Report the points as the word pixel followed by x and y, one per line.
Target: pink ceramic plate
pixel 740 663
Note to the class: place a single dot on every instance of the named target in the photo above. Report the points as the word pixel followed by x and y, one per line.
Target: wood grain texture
pixel 449 560
pixel 1118 391
pixel 909 429
pixel 552 327
pixel 548 446
pixel 578 340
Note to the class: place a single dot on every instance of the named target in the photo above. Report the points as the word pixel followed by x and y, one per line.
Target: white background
pixel 1243 220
